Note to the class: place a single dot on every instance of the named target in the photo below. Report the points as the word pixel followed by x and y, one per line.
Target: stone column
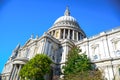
pixel 59 33
pixel 17 77
pixel 52 33
pixel 68 37
pixel 12 73
pixel 73 35
pixel 64 34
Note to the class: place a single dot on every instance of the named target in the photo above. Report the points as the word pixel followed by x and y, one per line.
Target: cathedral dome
pixel 67 27
pixel 66 18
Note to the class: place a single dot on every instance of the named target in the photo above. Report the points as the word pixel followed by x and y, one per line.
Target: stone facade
pixel 102 49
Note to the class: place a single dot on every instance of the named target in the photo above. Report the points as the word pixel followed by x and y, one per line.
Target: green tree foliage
pixel 78 67
pixel 84 75
pixel 36 68
pixel 75 62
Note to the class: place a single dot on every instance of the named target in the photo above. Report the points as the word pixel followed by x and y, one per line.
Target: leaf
pixel 36 68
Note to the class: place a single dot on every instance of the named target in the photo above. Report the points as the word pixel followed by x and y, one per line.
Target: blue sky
pixel 21 18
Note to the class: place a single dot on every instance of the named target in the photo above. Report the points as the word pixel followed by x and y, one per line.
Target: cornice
pixel 105 60
pixel 20 60
pixel 99 36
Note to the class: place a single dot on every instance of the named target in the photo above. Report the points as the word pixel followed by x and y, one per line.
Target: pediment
pixel 114 40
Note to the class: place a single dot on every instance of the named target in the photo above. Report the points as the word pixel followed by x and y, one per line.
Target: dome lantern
pixel 67 12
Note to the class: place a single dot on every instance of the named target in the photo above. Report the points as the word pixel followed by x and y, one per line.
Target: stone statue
pixel 15 51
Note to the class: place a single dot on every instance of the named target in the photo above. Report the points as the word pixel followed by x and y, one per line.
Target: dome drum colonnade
pixel 67 27
pixel 65 33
